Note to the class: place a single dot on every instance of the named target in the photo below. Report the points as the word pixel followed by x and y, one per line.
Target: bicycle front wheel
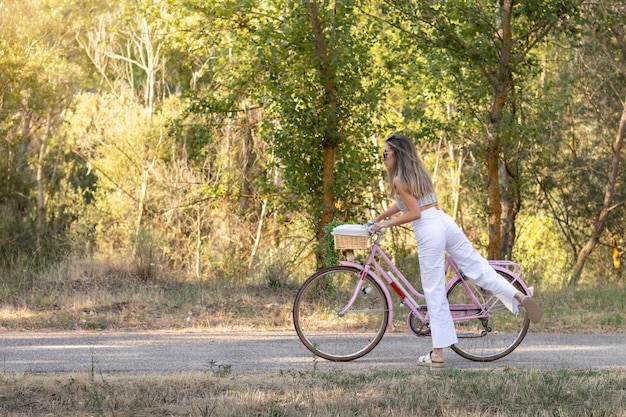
pixel 318 323
pixel 489 338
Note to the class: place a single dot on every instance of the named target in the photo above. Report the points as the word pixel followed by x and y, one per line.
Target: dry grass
pixel 111 298
pixel 120 301
pixel 445 393
pixel 104 297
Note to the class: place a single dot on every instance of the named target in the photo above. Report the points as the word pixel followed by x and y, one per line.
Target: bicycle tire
pixel 499 335
pixel 318 324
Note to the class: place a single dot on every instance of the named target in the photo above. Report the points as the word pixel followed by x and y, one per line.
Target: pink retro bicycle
pixel 342 312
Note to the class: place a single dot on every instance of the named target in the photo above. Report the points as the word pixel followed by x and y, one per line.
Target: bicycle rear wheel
pixel 316 314
pixel 486 339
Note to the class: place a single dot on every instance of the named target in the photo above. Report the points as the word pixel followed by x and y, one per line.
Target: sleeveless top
pixel 429 198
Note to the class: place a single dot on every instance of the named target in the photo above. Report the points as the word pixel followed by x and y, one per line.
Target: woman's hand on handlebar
pixel 374 227
pixel 378 227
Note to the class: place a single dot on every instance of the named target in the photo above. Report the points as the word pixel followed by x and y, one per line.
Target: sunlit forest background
pixel 210 139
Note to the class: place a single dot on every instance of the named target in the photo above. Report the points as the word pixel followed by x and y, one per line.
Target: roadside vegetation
pixel 107 295
pixel 448 393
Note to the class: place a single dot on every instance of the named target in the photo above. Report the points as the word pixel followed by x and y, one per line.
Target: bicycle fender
pixel 379 281
pixel 515 273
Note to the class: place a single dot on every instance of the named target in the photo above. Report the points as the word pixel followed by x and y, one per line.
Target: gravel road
pixel 173 352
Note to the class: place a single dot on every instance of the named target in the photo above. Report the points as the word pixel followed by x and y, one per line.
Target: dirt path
pixel 167 352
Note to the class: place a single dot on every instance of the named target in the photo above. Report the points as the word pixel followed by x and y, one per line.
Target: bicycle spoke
pixel 318 323
pixel 490 338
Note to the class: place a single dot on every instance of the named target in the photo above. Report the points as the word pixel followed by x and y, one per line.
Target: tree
pixel 607 50
pixel 38 85
pixel 321 95
pixel 487 46
pixel 579 164
pixel 212 48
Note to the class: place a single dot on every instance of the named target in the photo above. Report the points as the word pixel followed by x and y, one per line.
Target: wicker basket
pixel 351 236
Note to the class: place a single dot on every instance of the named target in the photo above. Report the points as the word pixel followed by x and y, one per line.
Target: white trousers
pixel 437 233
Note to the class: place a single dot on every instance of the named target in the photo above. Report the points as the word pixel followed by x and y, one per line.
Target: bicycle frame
pixel 407 292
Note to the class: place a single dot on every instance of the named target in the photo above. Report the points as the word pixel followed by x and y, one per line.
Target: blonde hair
pixel 408 167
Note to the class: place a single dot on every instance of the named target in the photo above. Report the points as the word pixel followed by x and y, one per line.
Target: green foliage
pixel 330 255
pixel 541 253
pixel 191 133
pixel 297 117
pixel 38 78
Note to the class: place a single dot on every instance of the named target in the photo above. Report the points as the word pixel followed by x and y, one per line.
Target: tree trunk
pixel 511 204
pixel 328 202
pixel 501 90
pixel 41 203
pixel 22 157
pixel 494 209
pixel 257 239
pixel 248 158
pixel 609 195
pixel 331 137
pixel 455 172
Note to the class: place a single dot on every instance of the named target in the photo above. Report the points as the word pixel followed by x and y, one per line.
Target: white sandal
pixel 426 360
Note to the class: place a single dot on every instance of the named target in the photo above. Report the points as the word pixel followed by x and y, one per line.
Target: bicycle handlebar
pixel 370 228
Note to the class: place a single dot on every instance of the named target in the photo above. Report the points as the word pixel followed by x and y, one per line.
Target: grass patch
pixel 585 309
pixel 113 299
pixel 450 393
pixel 88 297
pixel 99 296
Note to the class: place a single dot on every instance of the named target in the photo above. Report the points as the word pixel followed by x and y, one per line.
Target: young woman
pixel 437 233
